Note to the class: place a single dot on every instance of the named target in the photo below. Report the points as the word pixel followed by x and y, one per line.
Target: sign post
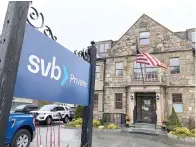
pixel 10 49
pixel 86 138
pixel 29 58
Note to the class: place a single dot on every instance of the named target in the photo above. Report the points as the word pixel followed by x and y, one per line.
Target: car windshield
pixel 47 108
pixel 20 107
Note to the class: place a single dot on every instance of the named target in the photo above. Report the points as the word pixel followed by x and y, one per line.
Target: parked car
pixel 50 113
pixel 20 131
pixel 25 108
pixel 72 111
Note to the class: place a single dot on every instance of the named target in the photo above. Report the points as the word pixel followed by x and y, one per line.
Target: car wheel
pixel 22 138
pixel 66 119
pixel 48 120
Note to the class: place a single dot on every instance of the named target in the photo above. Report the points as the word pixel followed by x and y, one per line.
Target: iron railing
pixel 148 77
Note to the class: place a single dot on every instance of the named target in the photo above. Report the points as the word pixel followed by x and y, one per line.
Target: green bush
pixel 75 123
pixel 79 111
pixel 96 123
pixel 111 126
pixel 193 131
pixel 173 121
pixel 100 127
pixel 172 128
pixel 182 132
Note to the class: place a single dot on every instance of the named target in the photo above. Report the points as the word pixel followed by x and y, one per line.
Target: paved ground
pixel 107 139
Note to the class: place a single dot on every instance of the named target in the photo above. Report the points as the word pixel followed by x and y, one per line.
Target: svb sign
pixel 48 71
pixel 34 66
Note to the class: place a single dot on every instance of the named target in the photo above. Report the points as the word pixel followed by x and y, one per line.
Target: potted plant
pixel 127 122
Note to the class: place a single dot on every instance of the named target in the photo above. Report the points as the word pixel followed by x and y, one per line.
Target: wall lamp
pixel 131 97
pixel 157 97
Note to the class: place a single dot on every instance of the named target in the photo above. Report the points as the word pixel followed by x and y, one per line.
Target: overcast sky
pixel 77 22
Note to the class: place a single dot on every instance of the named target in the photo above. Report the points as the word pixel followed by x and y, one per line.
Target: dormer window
pixel 144 38
pixel 103 47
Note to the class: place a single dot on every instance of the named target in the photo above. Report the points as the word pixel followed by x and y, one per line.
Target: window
pixel 144 38
pixel 150 73
pixel 118 100
pixel 119 69
pixel 174 66
pixel 104 47
pixel 97 73
pixel 60 109
pixel 193 35
pixel 96 101
pixel 177 102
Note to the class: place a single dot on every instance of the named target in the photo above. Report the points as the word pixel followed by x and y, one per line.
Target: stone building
pixel 119 88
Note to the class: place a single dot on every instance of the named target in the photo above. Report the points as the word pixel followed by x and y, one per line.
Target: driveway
pixel 106 139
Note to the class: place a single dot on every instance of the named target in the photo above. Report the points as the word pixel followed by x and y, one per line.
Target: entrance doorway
pixel 145 107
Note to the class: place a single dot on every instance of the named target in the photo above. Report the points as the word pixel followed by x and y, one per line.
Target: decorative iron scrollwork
pixel 85 53
pixel 35 16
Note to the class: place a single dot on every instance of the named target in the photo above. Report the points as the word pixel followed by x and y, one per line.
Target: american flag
pixel 145 58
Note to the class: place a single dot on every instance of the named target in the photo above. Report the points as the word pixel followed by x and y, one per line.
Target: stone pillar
pixel 158 103
pixel 131 104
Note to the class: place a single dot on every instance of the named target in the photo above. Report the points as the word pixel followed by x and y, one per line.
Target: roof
pixel 144 15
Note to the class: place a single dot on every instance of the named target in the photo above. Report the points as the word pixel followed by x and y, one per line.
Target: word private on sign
pixel 38 66
pixel 49 71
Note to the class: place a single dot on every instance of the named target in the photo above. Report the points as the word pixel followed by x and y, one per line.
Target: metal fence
pixel 116 118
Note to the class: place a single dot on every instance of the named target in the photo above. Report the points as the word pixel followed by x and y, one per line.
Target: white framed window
pixel 144 38
pixel 103 47
pixel 177 102
pixel 97 72
pixel 119 69
pixel 174 65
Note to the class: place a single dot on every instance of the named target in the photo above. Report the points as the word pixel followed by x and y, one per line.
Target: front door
pixel 144 105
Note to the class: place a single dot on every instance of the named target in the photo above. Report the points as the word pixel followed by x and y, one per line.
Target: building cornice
pixel 125 56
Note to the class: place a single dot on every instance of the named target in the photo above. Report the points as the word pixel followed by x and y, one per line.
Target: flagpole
pixel 137 52
pixel 142 75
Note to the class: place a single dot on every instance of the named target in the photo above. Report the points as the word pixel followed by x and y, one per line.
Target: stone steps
pixel 148 129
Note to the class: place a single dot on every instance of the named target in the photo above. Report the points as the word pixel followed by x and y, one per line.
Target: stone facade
pixel 164 45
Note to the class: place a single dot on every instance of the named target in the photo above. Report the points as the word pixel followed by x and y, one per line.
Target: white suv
pixel 49 113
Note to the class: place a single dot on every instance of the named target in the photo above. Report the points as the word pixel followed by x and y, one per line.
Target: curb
pixel 67 127
pixel 186 139
pixel 94 129
pixel 107 130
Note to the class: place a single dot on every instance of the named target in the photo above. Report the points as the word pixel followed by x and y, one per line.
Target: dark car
pixel 72 111
pixel 26 109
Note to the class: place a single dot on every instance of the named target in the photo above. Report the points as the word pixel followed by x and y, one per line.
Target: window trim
pixel 174 66
pixel 140 38
pixel 118 101
pixel 96 101
pixel 144 69
pixel 97 72
pixel 119 69
pixel 105 50
pixel 178 102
